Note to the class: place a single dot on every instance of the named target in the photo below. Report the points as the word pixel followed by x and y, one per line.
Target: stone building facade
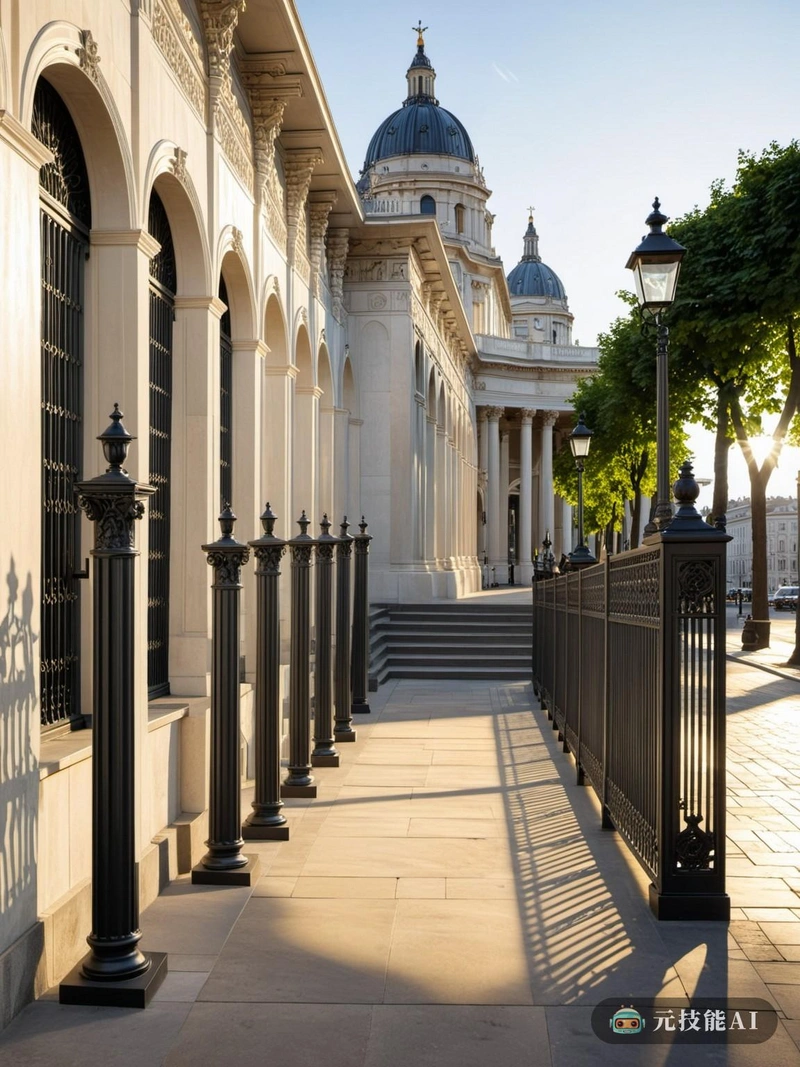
pixel 781 544
pixel 181 235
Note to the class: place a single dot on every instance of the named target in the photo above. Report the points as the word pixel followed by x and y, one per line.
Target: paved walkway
pixel 450 899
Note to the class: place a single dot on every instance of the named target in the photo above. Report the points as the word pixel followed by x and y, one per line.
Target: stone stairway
pixel 450 640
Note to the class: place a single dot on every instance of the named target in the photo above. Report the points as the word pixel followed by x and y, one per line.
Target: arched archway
pixel 66 218
pixel 305 470
pixel 326 442
pixel 349 488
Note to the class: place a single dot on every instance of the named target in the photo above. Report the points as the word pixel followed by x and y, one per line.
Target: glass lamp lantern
pixel 656 264
pixel 580 440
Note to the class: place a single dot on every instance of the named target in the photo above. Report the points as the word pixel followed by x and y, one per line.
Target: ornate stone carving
pixel 338 242
pixel 527 414
pixel 178 164
pixel 267 122
pixel 220 18
pixel 319 208
pixel 88 55
pixel 299 167
pixel 173 34
pixel 549 419
pixel 237 241
pixel 493 414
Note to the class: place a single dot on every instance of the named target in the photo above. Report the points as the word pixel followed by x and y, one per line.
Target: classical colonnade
pixel 516 457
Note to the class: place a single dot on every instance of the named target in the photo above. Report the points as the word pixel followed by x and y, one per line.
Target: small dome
pixel 532 278
pixel 422 128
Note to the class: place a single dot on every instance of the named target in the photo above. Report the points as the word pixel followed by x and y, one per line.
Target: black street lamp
pixel 579 441
pixel 656 264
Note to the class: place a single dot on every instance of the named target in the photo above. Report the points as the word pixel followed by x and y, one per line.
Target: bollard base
pixel 345 736
pixel 247 875
pixel 325 761
pixel 360 709
pixel 266 833
pixel 299 791
pixel 691 906
pixel 132 993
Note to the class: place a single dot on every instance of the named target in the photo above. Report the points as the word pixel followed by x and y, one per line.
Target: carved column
pixel 546 498
pixel 338 243
pixel 320 205
pixel 525 496
pixel 220 18
pixel 116 971
pixel 298 168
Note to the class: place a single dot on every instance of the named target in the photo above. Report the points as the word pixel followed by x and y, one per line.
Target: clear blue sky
pixel 584 108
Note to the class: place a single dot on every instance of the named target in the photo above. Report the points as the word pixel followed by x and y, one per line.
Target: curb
pixel 790 675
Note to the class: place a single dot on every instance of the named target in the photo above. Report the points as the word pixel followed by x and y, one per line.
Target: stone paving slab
pixel 435 906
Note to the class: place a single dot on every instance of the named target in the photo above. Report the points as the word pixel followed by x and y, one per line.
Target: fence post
pixel 691 819
pixel 324 754
pixel 343 728
pixel 360 652
pixel 267 822
pixel 605 817
pixel 224 863
pixel 115 972
pixel 299 782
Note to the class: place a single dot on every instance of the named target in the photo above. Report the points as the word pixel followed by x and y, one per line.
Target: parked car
pixel 785 598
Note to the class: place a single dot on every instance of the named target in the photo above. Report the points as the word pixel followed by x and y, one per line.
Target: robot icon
pixel 626 1021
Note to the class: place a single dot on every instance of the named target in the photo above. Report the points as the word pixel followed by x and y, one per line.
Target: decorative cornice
pixel 220 18
pixel 173 34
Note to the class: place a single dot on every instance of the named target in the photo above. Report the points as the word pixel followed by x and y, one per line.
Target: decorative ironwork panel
pixel 65 179
pixel 696 582
pixel 225 402
pixel 634 593
pixel 64 246
pixel 163 283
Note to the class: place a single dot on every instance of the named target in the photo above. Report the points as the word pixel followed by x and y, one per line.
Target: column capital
pixel 494 414
pixel 549 418
pixel 480 414
pixel 526 416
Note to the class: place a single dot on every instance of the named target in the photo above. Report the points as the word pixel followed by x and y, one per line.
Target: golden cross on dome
pixel 419 29
pixel 530 214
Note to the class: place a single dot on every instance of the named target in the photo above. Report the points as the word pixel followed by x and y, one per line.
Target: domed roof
pixel 531 277
pixel 422 128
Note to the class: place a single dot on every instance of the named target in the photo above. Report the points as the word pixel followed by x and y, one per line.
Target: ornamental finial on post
pixel 268 549
pixel 116 441
pixel 227 555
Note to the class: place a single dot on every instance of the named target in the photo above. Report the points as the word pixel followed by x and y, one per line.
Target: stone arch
pixel 275 333
pixel 58 53
pixel 186 221
pixel 327 426
pixel 419 368
pixel 235 269
pixel 430 398
pixel 349 493
pixel 305 451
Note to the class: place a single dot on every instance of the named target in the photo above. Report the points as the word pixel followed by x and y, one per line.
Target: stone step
pixel 507 674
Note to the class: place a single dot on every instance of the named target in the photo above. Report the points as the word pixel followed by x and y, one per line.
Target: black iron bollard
pixel 115 972
pixel 267 822
pixel 360 652
pixel 224 863
pixel 299 782
pixel 324 753
pixel 343 727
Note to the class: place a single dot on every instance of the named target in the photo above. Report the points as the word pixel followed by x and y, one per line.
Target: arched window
pixel 65 222
pixel 460 215
pixel 225 402
pixel 419 85
pixel 427 205
pixel 163 286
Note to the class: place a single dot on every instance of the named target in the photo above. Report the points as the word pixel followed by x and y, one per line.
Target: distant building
pixel 781 543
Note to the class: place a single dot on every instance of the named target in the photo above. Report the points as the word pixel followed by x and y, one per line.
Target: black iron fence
pixel 629 661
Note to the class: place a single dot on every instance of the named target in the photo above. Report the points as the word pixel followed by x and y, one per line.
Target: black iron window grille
pixel 225 402
pixel 65 222
pixel 163 286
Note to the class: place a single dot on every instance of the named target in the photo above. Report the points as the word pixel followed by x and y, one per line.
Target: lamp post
pixel 656 264
pixel 579 441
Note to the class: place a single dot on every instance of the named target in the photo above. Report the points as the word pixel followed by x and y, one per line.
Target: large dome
pixel 531 277
pixel 420 129
pixel 420 126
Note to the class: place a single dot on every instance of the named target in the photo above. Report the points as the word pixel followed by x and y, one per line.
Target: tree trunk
pixel 758 513
pixel 722 447
pixel 794 659
pixel 636 517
